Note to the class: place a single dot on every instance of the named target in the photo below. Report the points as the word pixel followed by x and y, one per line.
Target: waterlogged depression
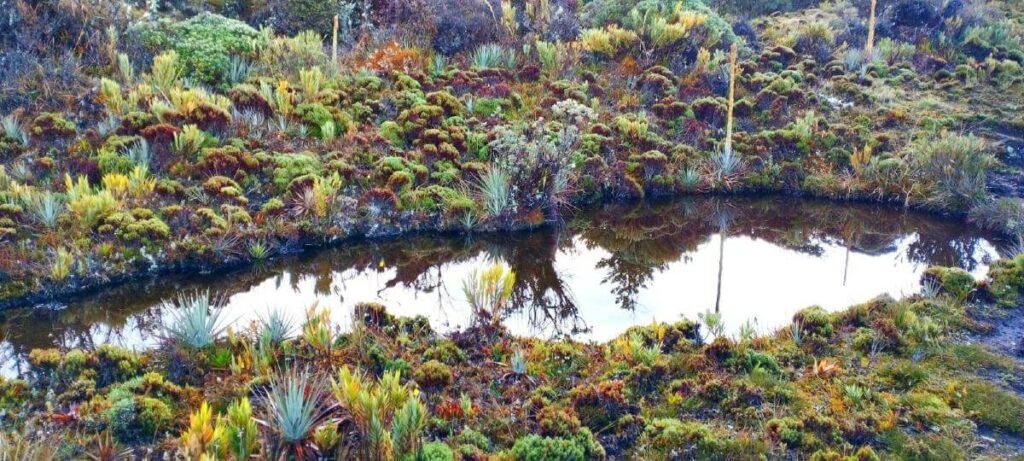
pixel 756 261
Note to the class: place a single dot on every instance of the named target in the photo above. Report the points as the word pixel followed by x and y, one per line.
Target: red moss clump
pixel 50 126
pixel 135 122
pixel 432 136
pixel 779 106
pixel 247 97
pixel 558 422
pixel 399 181
pixel 719 350
pixel 599 405
pixel 457 136
pixel 655 83
pixel 448 410
pixel 225 161
pixel 209 118
pixel 444 151
pixel 86 166
pixel 214 184
pixel 535 217
pixel 494 75
pixel 43 165
pixel 465 82
pixel 628 66
pixel 668 108
pixel 625 185
pixel 471 171
pixel 601 129
pixel 497 90
pixel 529 73
pixel 709 110
pixel 159 134
pixel 694 131
pixel 392 57
pixel 373 315
pixel 160 137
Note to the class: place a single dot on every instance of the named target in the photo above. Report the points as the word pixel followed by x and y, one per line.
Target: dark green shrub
pixel 435 451
pixel 137 418
pixel 904 375
pixel 580 447
pixel 598 13
pixel 752 360
pixel 205 43
pixel 445 351
pixel 470 437
pixel 931 447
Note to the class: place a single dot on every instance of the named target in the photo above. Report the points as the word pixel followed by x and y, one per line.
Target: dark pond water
pixel 755 260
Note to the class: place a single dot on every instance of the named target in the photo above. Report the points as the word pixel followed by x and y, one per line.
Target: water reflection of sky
pixel 630 267
pixel 761 283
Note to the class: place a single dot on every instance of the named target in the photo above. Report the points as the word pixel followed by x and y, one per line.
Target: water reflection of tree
pixel 90 323
pixel 940 243
pixel 642 239
pixel 540 292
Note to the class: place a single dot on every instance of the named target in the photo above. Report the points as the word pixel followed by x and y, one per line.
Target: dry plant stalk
pixel 334 42
pixel 732 96
pixel 870 45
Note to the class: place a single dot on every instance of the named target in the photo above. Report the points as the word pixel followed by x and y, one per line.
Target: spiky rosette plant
pixel 295 405
pixel 196 319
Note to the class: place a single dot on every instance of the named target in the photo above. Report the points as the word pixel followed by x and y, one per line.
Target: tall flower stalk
pixel 732 97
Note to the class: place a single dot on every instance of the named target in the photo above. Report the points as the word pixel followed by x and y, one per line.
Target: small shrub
pixel 1006 280
pixel 463 25
pixel 433 374
pixel 435 451
pixel 293 16
pixel 953 167
pixel 815 321
pixel 488 291
pixel 204 43
pixel 954 281
pixel 137 418
pixel 536 448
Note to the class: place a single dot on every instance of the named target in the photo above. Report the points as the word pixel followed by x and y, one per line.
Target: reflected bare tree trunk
pixel 846 264
pixel 721 265
pixel 724 219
